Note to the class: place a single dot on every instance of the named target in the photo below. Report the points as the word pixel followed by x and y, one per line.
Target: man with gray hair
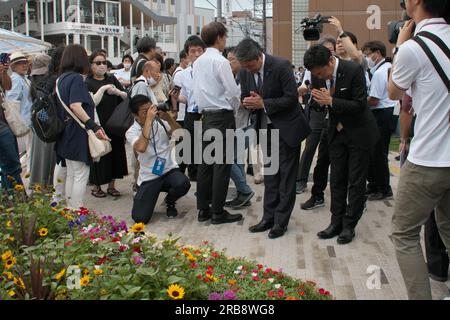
pixel 269 90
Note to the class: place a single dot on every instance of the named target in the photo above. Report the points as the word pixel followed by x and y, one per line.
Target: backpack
pixel 47 125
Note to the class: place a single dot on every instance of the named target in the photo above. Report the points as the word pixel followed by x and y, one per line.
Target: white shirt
pixel 214 84
pixel 147 160
pixel 306 77
pixel 413 69
pixel 181 106
pixel 185 80
pixel 123 74
pixel 379 86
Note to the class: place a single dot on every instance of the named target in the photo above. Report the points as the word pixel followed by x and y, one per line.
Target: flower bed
pixel 50 252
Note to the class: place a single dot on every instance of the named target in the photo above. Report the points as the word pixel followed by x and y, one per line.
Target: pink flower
pixel 229 295
pixel 138 260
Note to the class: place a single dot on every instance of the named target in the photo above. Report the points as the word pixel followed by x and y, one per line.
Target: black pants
pixel 320 175
pixel 379 174
pixel 318 123
pixel 174 183
pixel 349 166
pixel 189 122
pixel 437 256
pixel 213 179
pixel 279 192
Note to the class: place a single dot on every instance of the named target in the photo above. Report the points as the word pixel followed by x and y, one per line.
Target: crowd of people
pixel 342 102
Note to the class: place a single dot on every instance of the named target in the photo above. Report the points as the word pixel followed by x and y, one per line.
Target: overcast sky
pixel 237 4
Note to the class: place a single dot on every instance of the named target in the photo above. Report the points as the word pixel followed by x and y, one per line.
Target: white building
pixel 114 25
pixel 242 24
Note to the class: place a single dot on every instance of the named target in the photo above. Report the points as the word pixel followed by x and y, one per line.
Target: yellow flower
pixel 9 224
pixel 19 282
pixel 138 227
pixel 11 238
pixel 8 275
pixel 84 281
pixel 43 232
pixel 6 255
pixel 60 274
pixel 11 293
pixel 175 292
pixel 85 272
pixel 9 210
pixel 103 292
pixel 27 175
pixel 98 272
pixel 212 278
pixel 231 282
pixel 10 263
pixel 19 187
pixel 37 188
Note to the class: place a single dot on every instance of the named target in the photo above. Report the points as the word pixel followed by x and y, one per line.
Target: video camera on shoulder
pixel 394 26
pixel 313 27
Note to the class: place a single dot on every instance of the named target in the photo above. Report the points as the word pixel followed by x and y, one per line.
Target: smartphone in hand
pixel 5 58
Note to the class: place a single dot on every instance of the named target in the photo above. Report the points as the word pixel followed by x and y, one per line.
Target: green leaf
pixel 174 279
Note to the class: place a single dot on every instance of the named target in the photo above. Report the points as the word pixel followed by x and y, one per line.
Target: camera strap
pixel 430 55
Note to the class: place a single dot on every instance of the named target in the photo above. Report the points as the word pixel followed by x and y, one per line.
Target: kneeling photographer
pixel 150 137
pixel 422 63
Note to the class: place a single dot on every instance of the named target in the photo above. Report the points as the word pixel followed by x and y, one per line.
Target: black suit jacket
pixel 350 106
pixel 280 99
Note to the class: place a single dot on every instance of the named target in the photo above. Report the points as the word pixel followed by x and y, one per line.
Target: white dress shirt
pixel 214 84
pixel 379 86
pixel 185 80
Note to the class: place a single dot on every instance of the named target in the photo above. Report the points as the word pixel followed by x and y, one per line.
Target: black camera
pixel 313 27
pixel 164 106
pixel 394 26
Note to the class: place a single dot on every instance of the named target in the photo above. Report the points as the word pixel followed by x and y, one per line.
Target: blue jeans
pixel 238 171
pixel 9 159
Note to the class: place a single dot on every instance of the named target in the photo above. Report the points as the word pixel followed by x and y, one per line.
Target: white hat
pixel 18 56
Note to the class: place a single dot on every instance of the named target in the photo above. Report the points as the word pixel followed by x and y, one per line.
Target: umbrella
pixel 12 41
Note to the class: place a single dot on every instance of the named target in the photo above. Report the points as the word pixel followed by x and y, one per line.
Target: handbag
pixel 121 120
pixel 13 117
pixel 97 147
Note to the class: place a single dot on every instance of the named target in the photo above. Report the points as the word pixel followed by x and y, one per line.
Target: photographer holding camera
pixel 150 137
pixel 422 64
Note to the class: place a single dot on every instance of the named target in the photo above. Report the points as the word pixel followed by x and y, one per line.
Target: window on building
pixel 99 12
pixel 189 29
pixel 71 10
pixel 49 11
pixel 59 13
pixel 172 2
pixel 113 14
pixel 86 11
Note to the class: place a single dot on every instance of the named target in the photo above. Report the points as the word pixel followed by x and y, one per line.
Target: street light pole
pixel 219 11
pixel 264 37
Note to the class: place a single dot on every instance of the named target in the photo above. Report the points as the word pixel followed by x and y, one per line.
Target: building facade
pixel 110 24
pixel 242 24
pixel 367 19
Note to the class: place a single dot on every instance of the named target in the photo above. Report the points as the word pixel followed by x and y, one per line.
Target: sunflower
pixel 98 272
pixel 138 228
pixel 11 238
pixel 103 292
pixel 84 281
pixel 6 255
pixel 19 282
pixel 10 263
pixel 19 187
pixel 11 293
pixel 8 275
pixel 9 224
pixel 38 188
pixel 175 292
pixel 60 274
pixel 43 232
pixel 86 272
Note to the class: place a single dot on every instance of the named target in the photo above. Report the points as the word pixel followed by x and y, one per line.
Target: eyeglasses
pixel 100 63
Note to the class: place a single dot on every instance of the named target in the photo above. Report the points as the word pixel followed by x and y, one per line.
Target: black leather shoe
pixel 204 215
pixel 264 225
pixel 330 232
pixel 347 235
pixel 277 231
pixel 225 217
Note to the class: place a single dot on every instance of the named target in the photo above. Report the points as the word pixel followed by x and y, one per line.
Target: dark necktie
pixel 260 84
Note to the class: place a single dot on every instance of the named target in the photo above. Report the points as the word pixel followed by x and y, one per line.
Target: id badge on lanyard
pixel 160 163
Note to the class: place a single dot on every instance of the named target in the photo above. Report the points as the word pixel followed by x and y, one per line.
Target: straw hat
pixel 17 57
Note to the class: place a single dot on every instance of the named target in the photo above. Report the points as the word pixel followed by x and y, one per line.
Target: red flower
pixel 301 293
pixel 280 293
pixel 270 293
pixel 123 248
pixel 205 243
pixel 268 270
pixel 222 276
pixel 199 277
pixel 324 292
pixel 68 243
pixel 194 266
pixel 205 280
pixel 260 266
pixel 264 281
pixel 255 278
pixel 137 250
pixel 215 255
pixel 210 268
pixel 197 252
pixel 115 239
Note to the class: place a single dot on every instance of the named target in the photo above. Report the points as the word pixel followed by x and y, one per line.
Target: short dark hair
pixel 75 59
pixel 55 64
pixel 146 44
pixel 193 41
pixel 127 56
pixel 137 102
pixel 437 8
pixel 248 50
pixel 317 56
pixel 352 37
pixel 374 46
pixel 183 55
pixel 160 59
pixel 228 50
pixel 168 63
pixel 327 38
pixel 211 32
pixel 95 54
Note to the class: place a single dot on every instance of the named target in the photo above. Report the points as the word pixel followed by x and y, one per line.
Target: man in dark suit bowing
pixel 269 89
pixel 340 87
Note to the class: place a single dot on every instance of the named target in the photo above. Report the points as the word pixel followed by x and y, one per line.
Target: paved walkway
pixel 343 270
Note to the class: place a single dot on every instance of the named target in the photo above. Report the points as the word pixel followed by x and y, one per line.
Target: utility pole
pixel 264 35
pixel 219 11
